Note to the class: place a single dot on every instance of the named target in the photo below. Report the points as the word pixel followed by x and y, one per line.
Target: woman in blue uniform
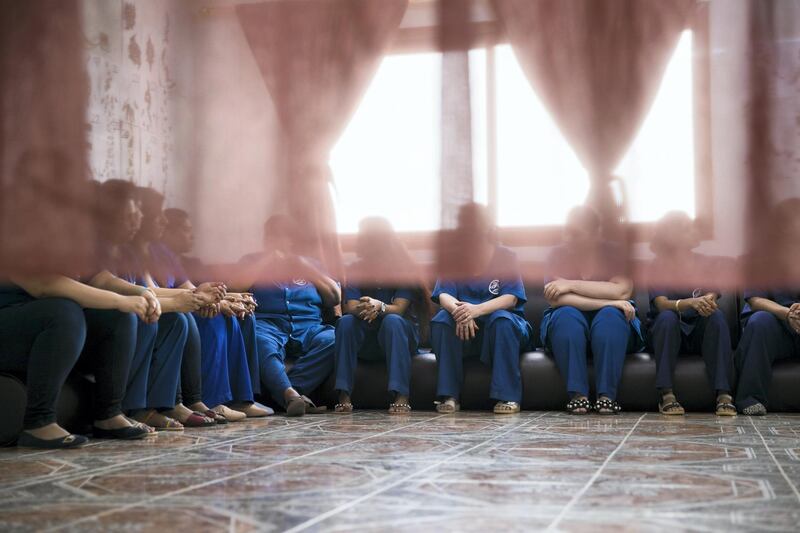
pixel 291 291
pixel 482 315
pixel 178 240
pixel 686 319
pixel 590 308
pixel 160 340
pixel 771 315
pixel 216 349
pixel 380 317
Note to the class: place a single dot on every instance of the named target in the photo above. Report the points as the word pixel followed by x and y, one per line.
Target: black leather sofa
pixel 542 384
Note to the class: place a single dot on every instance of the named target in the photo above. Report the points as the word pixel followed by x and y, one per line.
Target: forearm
pixel 665 304
pixel 169 304
pixel 64 287
pixel 608 290
pixel 109 282
pixel 765 304
pixel 581 302
pixel 447 302
pixel 505 301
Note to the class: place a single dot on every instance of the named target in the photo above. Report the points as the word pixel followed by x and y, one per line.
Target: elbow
pixel 333 298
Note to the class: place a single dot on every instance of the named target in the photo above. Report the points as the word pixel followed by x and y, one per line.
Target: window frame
pixel 489 34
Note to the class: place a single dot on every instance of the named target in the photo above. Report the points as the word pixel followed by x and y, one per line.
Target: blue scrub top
pixel 565 264
pixel 373 290
pixel 783 297
pixel 297 301
pixel 124 266
pixel 488 286
pixel 166 267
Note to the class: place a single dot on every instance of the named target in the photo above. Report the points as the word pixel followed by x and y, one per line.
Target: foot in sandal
pixel 345 405
pixel 159 421
pixel 668 405
pixel 400 405
pixel 252 409
pixel 757 409
pixel 506 408
pixel 189 418
pixel 606 406
pixel 725 405
pixel 447 406
pixel 579 405
pixel 230 415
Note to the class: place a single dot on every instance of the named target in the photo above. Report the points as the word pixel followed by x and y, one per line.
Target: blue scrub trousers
pixel 224 369
pixel 610 336
pixel 155 372
pixel 765 339
pixel 247 325
pixel 709 336
pixel 501 338
pixel 392 337
pixel 312 344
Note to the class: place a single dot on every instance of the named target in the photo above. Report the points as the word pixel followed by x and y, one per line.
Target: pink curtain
pixel 596 65
pixel 317 58
pixel 45 208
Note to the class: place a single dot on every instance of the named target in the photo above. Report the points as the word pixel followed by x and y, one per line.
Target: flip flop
pixel 199 420
pixel 134 432
pixel 26 440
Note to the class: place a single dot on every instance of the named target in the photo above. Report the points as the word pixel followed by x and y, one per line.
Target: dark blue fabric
pixel 488 286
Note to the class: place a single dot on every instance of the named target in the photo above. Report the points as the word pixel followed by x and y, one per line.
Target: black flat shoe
pixel 26 440
pixel 126 433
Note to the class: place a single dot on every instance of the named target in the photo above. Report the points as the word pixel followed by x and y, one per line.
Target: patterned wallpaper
pixel 130 55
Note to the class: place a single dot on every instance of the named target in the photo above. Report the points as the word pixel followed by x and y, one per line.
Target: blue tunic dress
pixel 224 362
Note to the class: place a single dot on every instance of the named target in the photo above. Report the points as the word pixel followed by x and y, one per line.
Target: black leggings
pixel 108 355
pixel 190 388
pixel 41 339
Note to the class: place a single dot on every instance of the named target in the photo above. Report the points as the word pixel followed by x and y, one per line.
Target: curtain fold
pixel 596 65
pixel 317 58
pixel 46 222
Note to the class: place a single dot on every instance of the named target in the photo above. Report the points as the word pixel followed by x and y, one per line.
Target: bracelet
pixel 383 308
pixel 677 307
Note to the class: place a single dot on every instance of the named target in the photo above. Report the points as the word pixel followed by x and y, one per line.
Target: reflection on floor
pixel 423 472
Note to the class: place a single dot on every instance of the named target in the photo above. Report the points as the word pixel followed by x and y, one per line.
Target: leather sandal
pixel 506 408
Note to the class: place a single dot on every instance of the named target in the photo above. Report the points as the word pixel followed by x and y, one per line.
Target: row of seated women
pixel 170 350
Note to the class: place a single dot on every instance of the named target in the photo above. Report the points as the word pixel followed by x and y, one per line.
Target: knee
pixel 502 325
pixel 761 322
pixel 667 321
pixel 394 323
pixel 347 323
pixel 123 322
pixel 67 313
pixel 717 320
pixel 325 339
pixel 566 322
pixel 442 319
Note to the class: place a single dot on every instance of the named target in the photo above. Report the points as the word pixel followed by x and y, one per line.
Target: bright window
pixel 387 160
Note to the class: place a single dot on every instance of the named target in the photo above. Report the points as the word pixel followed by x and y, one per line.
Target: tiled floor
pixel 422 472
